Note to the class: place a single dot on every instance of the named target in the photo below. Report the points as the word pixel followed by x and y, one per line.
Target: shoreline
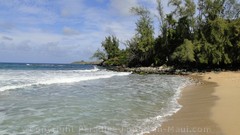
pixel 194 116
pixel 210 108
pixel 166 70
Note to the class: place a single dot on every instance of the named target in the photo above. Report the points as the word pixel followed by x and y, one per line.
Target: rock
pixel 148 70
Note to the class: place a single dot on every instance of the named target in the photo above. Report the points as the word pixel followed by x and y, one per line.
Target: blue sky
pixel 62 31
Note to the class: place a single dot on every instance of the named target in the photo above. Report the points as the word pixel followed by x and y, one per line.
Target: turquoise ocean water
pixel 66 99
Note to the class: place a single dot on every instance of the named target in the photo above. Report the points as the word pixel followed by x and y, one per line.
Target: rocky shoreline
pixel 164 70
pixel 150 70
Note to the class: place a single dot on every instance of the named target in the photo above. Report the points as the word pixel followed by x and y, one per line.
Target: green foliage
pixel 161 14
pixel 211 9
pixel 206 34
pixel 231 9
pixel 111 53
pixel 184 53
pixel 234 37
pixel 183 8
pixel 218 32
pixel 111 46
pixel 142 44
pixel 100 55
pixel 120 60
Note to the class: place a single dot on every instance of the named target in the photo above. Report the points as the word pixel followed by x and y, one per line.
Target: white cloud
pixel 40 46
pixel 63 30
pixel 122 30
pixel 71 7
pixel 7 38
pixel 30 10
pixel 101 1
pixel 123 6
pixel 34 36
pixel 6 25
pixel 70 32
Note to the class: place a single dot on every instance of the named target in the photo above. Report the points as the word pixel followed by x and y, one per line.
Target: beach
pixel 210 107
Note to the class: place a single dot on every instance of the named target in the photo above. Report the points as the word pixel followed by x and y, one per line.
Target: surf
pixel 37 78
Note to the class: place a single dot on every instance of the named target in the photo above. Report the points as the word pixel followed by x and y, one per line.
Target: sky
pixel 63 31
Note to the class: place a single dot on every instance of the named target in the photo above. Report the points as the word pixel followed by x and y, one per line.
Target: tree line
pixel 202 34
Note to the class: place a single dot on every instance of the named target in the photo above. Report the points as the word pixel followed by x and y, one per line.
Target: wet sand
pixel 209 108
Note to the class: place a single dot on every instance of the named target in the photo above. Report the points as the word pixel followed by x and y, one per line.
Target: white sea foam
pixel 149 124
pixel 95 69
pixel 32 78
pixel 134 96
pixel 173 108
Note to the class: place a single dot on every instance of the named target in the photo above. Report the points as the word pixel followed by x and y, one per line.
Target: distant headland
pixel 87 62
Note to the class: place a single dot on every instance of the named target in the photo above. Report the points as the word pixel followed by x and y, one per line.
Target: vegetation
pixel 202 34
pixel 141 47
pixel 111 54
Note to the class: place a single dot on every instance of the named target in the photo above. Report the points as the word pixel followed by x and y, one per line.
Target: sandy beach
pixel 209 108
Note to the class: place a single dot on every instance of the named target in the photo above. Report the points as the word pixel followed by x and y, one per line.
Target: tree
pixel 142 44
pixel 100 55
pixel 111 54
pixel 162 22
pixel 234 34
pixel 211 9
pixel 231 9
pixel 111 46
pixel 210 38
pixel 160 46
pixel 183 8
pixel 180 25
pixel 184 53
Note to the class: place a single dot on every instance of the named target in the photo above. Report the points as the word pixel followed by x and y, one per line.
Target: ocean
pixel 70 99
